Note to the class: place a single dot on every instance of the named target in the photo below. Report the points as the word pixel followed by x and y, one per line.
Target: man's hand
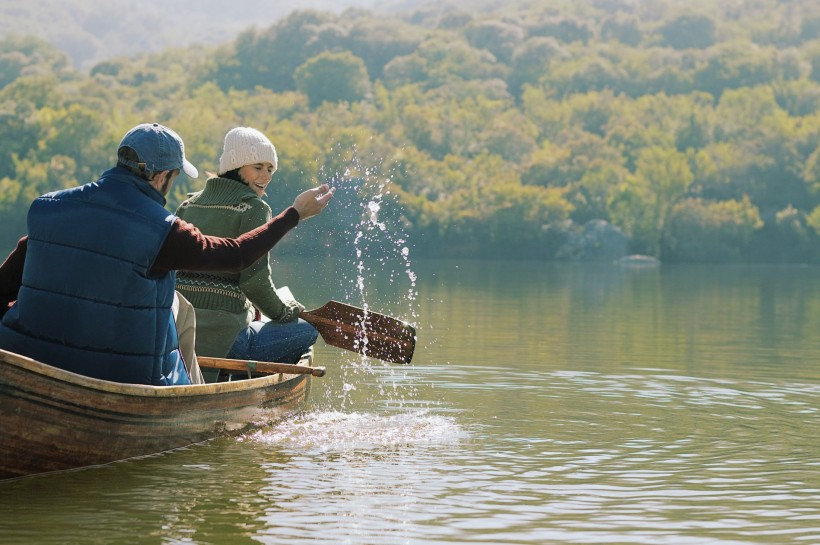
pixel 313 201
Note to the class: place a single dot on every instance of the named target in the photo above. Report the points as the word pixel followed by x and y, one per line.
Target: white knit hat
pixel 246 146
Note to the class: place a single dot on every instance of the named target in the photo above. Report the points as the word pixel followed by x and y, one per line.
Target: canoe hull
pixel 53 420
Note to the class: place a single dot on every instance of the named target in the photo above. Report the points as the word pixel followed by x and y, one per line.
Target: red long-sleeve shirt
pixel 11 275
pixel 185 248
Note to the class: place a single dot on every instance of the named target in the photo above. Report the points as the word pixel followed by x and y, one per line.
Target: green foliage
pixel 448 61
pixel 493 216
pixel 688 31
pixel 694 130
pixel 565 29
pixel 622 28
pixel 377 42
pixel 735 66
pixel 662 177
pixel 269 58
pixel 531 59
pixel 498 37
pixel 813 220
pixel 588 74
pixel 709 231
pixel 28 56
pixel 333 77
pixel 788 236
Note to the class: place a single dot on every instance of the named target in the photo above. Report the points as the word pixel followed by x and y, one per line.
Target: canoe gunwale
pixel 139 390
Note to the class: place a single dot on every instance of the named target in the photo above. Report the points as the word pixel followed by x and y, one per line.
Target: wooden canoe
pixel 54 420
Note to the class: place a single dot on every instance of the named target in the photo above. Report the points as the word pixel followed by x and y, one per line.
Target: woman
pixel 229 307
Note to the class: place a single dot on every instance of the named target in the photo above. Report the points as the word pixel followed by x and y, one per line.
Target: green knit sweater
pixel 227 208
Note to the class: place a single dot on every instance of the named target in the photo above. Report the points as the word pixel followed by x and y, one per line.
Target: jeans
pixel 274 342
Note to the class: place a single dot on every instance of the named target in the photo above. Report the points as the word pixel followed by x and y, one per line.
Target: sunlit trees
pixel 498 37
pixel 269 57
pixel 332 77
pixel 565 29
pixel 692 130
pixel 733 66
pixel 813 221
pixel 662 177
pixel 812 172
pixel 73 132
pixel 622 28
pixel 493 215
pixel 689 31
pixel 448 61
pixel 377 42
pixel 29 56
pixel 787 236
pixel 587 74
pixel 531 59
pixel 710 231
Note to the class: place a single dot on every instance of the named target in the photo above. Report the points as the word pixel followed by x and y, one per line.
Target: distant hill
pixel 90 31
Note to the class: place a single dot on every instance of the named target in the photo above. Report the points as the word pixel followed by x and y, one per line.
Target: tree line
pixel 691 130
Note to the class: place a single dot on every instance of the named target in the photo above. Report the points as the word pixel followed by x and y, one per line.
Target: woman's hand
pixel 313 201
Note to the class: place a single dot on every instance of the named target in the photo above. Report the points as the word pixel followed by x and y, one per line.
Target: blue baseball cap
pixel 159 148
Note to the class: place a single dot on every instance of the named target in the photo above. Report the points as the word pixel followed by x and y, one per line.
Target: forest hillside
pixel 533 129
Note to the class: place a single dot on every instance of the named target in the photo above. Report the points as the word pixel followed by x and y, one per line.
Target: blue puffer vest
pixel 87 303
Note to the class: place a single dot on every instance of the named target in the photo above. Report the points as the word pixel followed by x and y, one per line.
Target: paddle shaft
pixel 260 366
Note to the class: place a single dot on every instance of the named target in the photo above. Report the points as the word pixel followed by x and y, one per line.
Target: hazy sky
pixel 90 31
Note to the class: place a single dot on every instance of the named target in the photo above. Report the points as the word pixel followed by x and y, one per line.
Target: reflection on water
pixel 547 404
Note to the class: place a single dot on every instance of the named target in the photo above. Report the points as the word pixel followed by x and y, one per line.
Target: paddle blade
pixel 363 331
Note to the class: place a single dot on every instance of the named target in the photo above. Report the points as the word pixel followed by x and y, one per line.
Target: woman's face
pixel 257 176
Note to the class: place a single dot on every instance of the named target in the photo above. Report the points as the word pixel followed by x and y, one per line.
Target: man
pixel 96 289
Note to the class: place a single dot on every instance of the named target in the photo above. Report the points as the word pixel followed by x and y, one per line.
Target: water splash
pixel 380 275
pixel 334 431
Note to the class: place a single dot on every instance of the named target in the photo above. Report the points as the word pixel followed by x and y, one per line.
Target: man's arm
pixel 187 249
pixel 11 275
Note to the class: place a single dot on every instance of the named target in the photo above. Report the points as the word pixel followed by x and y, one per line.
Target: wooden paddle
pixel 363 331
pixel 260 366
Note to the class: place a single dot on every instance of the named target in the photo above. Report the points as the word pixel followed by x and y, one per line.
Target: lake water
pixel 546 404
